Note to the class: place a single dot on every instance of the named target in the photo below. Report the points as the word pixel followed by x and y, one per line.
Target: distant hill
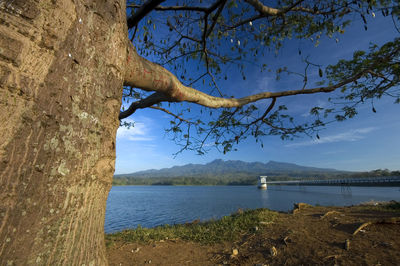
pixel 218 168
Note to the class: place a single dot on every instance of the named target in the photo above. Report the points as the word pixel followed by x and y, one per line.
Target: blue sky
pixel 368 141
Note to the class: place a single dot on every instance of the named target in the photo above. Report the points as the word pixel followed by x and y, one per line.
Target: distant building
pixel 262 182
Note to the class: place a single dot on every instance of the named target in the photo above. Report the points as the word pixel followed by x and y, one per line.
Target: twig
pixel 331 256
pixel 329 213
pixel 361 227
pixel 170 113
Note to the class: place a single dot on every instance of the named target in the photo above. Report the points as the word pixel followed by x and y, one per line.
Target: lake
pixel 150 206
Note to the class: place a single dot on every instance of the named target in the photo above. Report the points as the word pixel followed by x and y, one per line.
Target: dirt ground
pixel 358 235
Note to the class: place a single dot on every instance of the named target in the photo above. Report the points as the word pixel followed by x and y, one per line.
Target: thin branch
pixel 395 24
pixel 293 6
pixel 215 83
pixel 187 144
pixel 271 105
pixel 261 118
pixel 243 22
pixel 170 113
pixel 169 24
pixel 214 127
pixel 194 81
pixel 179 56
pixel 166 51
pixel 220 4
pixel 134 34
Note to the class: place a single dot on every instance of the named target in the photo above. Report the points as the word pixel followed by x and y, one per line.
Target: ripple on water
pixel 150 206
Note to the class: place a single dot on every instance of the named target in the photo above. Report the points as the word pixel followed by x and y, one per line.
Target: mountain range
pixel 234 167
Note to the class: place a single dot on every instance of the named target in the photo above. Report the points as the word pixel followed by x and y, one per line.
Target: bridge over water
pixel 373 181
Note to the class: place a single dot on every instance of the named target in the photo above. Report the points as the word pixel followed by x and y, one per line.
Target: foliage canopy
pixel 205 43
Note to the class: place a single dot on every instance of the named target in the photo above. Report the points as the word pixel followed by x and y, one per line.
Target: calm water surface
pixel 149 206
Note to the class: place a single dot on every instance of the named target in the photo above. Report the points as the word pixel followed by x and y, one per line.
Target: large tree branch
pixel 262 9
pixel 144 103
pixel 180 8
pixel 215 5
pixel 270 11
pixel 175 8
pixel 145 9
pixel 206 30
pixel 149 76
pixel 215 17
pixel 150 5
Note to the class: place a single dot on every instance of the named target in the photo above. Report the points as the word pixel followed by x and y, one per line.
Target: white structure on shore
pixel 262 182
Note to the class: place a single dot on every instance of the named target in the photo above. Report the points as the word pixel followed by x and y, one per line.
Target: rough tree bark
pixel 61 73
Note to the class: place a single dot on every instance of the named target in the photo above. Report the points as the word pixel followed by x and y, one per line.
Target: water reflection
pixel 346 191
pixel 264 195
pixel 149 206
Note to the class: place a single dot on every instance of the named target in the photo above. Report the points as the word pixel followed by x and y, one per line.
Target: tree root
pixel 332 257
pixel 361 227
pixel 300 206
pixel 394 220
pixel 329 213
pixel 287 240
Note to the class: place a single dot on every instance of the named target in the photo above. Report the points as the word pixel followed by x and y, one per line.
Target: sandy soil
pixel 308 236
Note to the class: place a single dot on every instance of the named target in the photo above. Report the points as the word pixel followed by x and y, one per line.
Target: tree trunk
pixel 61 74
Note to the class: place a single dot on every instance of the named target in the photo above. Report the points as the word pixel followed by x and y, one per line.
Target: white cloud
pixel 265 84
pixel 138 132
pixel 351 135
pixel 146 155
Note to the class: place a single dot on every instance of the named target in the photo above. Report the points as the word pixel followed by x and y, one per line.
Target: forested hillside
pixel 219 172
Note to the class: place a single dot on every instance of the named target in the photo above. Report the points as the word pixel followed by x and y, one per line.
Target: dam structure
pixel 377 181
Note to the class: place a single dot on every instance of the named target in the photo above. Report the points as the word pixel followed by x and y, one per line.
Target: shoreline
pixel 307 235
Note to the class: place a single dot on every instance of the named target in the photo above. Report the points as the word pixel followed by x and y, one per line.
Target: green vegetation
pixel 236 168
pixel 228 228
pixel 393 205
pixel 376 173
pixel 242 180
pixel 222 173
pixel 238 179
pixel 390 206
pixel 387 206
pixel 234 179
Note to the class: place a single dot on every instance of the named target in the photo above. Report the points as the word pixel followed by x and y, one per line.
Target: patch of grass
pixel 392 205
pixel 228 228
